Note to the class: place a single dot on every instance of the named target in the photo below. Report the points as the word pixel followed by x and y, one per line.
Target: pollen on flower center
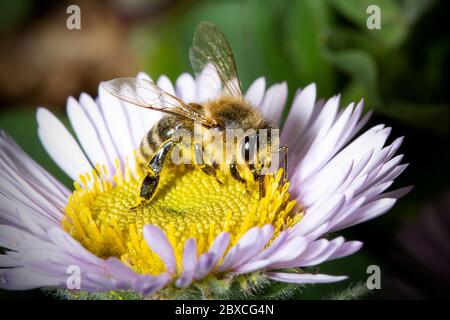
pixel 188 203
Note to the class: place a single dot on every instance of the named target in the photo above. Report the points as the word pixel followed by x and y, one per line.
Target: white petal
pixel 92 110
pixel 29 167
pixel 257 265
pixel 255 93
pixel 274 101
pixel 322 189
pixel 165 84
pixel 158 242
pixel 367 212
pixel 313 250
pixel 61 146
pixel 346 249
pixel 209 85
pixel 303 277
pixel 317 215
pixel 143 75
pixel 186 88
pixel 250 244
pixel 136 123
pixel 321 149
pixel 289 252
pixel 117 121
pixel 18 194
pixel 316 131
pixel 24 279
pixel 299 114
pixel 189 255
pixel 219 246
pixel 86 133
pixel 184 280
pixel 395 194
pixel 331 248
pixel 66 242
pixel 346 212
pixel 274 246
pixel 150 284
pixel 148 117
pixel 7 261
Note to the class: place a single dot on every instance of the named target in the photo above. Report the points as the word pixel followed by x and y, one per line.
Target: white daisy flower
pixel 194 230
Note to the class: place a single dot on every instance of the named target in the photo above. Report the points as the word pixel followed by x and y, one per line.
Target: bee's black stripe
pixel 156 136
pixel 153 140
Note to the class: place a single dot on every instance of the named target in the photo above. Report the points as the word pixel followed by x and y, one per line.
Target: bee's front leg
pixel 257 176
pixel 235 173
pixel 284 148
pixel 205 167
pixel 262 186
pixel 153 170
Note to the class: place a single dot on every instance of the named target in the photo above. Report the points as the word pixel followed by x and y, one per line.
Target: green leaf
pixel 434 118
pixel 360 66
pixel 307 26
pixel 13 13
pixel 394 25
pixel 352 292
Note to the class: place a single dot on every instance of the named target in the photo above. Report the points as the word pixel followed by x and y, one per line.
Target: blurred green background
pixel 400 70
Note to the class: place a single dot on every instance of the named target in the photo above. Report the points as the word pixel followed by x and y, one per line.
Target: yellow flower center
pixel 187 204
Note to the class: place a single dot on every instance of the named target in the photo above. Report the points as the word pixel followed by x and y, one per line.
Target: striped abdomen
pixel 156 136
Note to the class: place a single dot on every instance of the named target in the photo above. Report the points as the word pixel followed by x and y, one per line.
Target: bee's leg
pixel 148 188
pixel 285 163
pixel 262 189
pixel 211 171
pixel 257 176
pixel 200 161
pixel 235 173
pixel 153 170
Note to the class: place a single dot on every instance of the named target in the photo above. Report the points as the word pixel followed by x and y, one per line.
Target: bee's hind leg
pixel 148 188
pixel 153 170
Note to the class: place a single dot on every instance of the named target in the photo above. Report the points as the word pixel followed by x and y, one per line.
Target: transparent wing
pixel 146 94
pixel 211 57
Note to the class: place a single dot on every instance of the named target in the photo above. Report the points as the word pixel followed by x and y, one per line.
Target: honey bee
pixel 230 110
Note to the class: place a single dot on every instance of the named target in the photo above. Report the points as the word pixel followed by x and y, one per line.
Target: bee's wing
pixel 146 94
pixel 211 57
